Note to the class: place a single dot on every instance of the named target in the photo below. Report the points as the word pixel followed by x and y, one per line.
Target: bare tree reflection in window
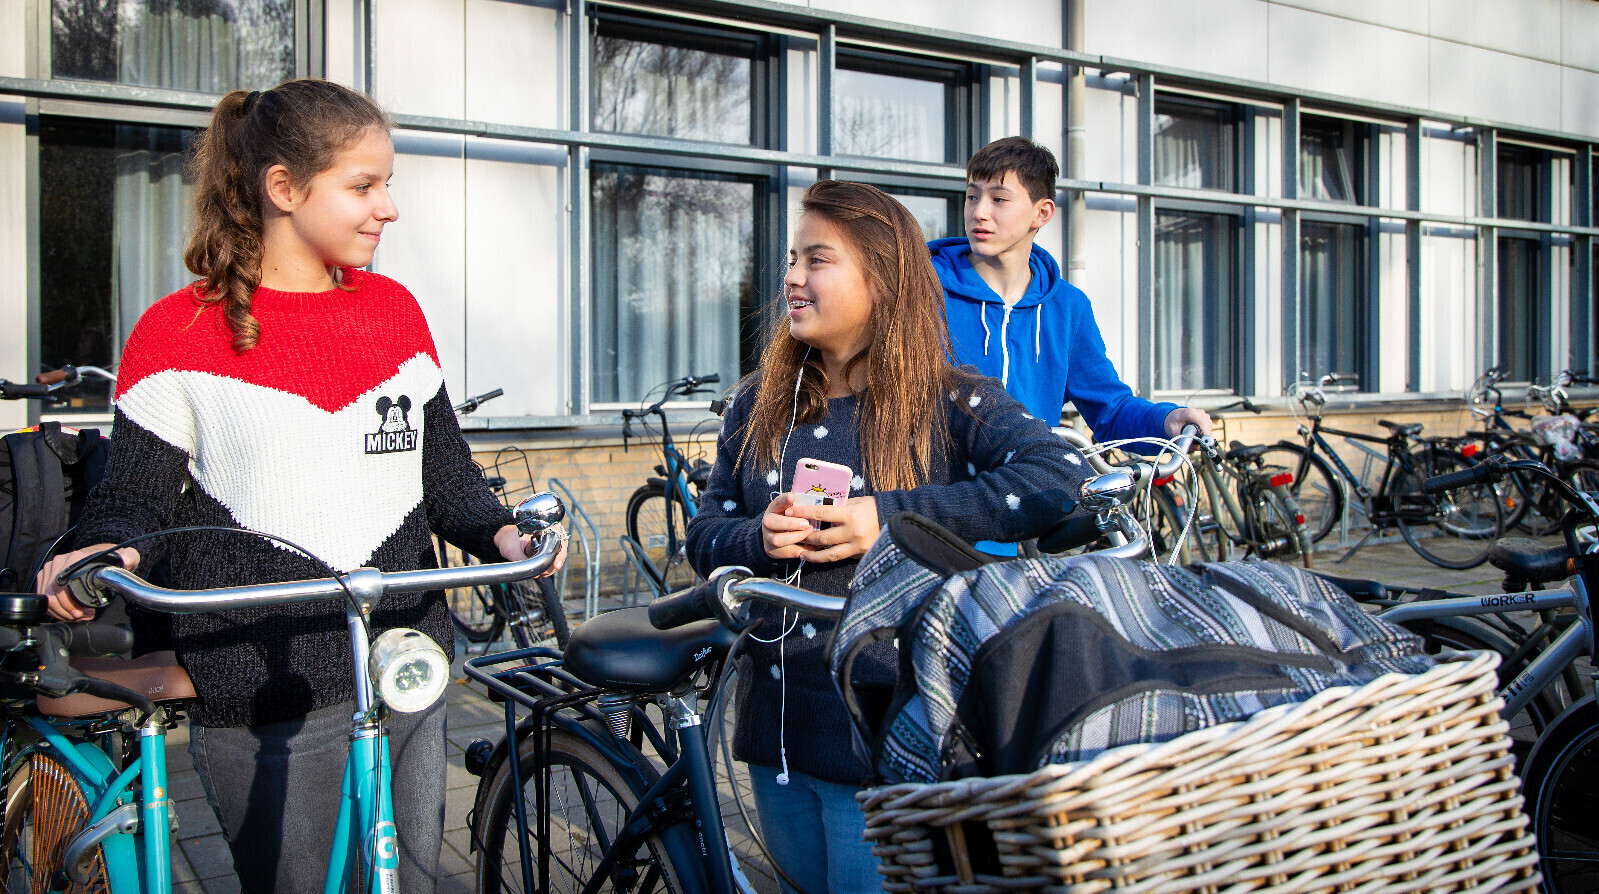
pixel 670 91
pixel 206 46
pixel 887 116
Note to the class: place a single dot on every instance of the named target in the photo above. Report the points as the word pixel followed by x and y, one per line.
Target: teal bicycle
pixel 87 806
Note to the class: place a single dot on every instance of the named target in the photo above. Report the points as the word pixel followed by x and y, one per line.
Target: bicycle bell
pixel 538 512
pixel 1105 492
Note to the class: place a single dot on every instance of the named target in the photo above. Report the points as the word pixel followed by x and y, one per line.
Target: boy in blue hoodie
pixel 1014 317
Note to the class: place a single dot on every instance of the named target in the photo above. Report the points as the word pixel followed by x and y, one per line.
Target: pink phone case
pixel 820 483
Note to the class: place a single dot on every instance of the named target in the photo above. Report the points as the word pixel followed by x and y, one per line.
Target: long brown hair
pixel 908 373
pixel 302 125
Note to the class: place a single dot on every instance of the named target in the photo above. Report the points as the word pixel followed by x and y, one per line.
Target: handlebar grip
pixel 17 390
pixel 55 375
pixel 683 607
pixel 711 379
pixel 1478 474
pixel 90 639
pixel 1077 530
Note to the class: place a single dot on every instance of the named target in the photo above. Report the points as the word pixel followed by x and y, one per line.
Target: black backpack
pixel 45 476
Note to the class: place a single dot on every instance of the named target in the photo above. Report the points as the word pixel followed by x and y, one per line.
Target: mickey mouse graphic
pixel 394 434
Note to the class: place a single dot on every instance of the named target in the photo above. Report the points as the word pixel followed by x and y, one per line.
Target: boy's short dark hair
pixel 1034 165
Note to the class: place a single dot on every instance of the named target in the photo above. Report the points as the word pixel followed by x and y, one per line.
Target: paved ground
pixel 201 861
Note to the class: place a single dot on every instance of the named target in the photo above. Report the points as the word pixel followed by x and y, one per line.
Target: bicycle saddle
pixel 1238 451
pixel 1408 429
pixel 621 650
pixel 1530 561
pixel 158 675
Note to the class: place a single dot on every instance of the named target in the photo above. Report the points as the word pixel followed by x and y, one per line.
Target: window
pixel 1522 176
pixel 1332 159
pixel 1523 313
pixel 1197 318
pixel 674 277
pixel 207 46
pixel 114 219
pixel 662 79
pixel 1333 332
pixel 891 107
pixel 1196 144
pixel 939 213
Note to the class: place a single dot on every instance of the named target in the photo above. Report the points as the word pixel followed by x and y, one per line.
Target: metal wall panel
pixel 419 56
pixel 15 331
pixel 1579 98
pixel 1449 320
pixel 515 72
pixel 1579 22
pixel 1406 15
pixel 1024 21
pixel 517 312
pixel 1528 28
pixel 1224 37
pixel 1481 83
pixel 1329 54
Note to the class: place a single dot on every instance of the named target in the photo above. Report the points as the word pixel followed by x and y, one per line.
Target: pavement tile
pixel 184 784
pixel 224 885
pixel 209 856
pixel 196 819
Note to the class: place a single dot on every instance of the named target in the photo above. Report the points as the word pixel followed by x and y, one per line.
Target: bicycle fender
pixel 658 482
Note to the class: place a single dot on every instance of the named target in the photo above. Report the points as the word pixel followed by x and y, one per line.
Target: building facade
pixel 595 197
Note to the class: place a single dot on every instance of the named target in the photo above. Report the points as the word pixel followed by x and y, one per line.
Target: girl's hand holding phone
pixel 781 534
pixel 855 527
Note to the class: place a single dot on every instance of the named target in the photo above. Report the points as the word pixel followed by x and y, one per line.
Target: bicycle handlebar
pixel 725 594
pixel 366 583
pixel 471 404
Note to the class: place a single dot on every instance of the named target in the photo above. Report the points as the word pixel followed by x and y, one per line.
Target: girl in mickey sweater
pixel 858 376
pixel 290 393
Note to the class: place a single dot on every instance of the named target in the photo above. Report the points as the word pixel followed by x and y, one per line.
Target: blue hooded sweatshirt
pixel 1046 348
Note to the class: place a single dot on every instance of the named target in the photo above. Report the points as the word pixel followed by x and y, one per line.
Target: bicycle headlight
pixel 409 669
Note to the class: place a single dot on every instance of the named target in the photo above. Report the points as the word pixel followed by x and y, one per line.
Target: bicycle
pixel 1450 530
pixel 484 613
pixel 85 768
pixel 1562 763
pixel 659 512
pixel 47 386
pixel 1528 504
pixel 1265 519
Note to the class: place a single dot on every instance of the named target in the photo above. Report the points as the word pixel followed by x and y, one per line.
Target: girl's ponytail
pixel 302 125
pixel 226 246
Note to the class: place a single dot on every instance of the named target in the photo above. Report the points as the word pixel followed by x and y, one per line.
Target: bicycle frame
pixel 135 836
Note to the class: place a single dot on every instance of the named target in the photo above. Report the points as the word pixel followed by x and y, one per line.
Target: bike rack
pixel 589 537
pixel 639 567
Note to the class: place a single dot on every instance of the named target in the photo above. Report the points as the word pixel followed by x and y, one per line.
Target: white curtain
pixel 1193 149
pixel 149 225
pixel 889 117
pixel 208 46
pixel 673 269
pixel 1195 321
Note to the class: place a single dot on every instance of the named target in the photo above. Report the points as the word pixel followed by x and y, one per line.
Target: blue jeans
pixel 814 828
pixel 275 789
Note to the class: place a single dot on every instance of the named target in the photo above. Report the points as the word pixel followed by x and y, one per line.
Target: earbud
pixel 782 779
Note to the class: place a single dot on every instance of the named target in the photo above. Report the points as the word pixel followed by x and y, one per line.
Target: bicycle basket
pixel 1405 783
pixel 513 474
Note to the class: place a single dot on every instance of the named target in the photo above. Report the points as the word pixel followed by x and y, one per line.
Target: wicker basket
pixel 1405 784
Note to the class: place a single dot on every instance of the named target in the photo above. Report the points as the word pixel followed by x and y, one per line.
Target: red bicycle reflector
pixel 1299 519
pixel 1162 482
pixel 1468 451
pixel 1282 478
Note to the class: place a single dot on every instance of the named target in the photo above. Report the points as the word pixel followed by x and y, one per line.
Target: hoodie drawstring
pixel 983 315
pixel 1038 328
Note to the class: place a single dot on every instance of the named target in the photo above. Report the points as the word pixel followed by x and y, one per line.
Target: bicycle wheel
pixel 666 549
pixel 44 809
pixel 1444 636
pixel 1315 489
pixel 589 800
pixel 1583 475
pixel 1280 522
pixel 1452 529
pixel 1562 784
pixel 536 619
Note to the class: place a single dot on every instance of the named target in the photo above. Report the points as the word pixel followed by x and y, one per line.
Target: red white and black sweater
pixel 335 433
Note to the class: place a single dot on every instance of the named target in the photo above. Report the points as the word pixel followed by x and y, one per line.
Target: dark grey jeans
pixel 275 789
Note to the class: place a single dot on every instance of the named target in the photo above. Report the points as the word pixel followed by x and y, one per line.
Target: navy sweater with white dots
pixel 1003 476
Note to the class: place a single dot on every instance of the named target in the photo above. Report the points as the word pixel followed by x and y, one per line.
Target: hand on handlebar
pixel 1176 419
pixel 63 604
pixel 515 546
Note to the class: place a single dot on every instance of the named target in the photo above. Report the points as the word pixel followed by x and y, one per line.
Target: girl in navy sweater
pixel 858 375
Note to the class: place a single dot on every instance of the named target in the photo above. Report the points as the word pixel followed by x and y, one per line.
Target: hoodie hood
pixel 952 260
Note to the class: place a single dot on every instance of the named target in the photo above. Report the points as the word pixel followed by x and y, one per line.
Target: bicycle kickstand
pixel 1357 547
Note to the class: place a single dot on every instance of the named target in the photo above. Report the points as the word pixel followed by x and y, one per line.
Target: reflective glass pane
pixel 1196 301
pixel 674 277
pixel 664 90
pixel 1329 160
pixel 1332 281
pixel 890 116
pixel 1523 321
pixel 935 213
pixel 1520 181
pixel 1195 146
pixel 114 215
pixel 208 46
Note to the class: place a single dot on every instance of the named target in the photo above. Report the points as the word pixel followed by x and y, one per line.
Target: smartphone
pixel 818 483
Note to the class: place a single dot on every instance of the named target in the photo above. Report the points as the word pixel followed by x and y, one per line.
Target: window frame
pixel 1234 115
pixel 1242 367
pixel 765 53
